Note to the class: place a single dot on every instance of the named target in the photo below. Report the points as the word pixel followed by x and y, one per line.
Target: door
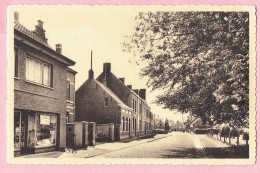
pixel 27 135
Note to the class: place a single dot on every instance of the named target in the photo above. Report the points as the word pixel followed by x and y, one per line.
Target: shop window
pixel 38 72
pixel 46 130
pixel 17 130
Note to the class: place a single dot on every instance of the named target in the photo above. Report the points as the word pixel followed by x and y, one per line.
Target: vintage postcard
pixel 131 84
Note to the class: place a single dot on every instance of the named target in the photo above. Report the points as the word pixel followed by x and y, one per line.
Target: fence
pixel 105 132
pixel 231 140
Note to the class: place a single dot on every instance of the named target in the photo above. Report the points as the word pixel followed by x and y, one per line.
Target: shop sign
pixel 45 120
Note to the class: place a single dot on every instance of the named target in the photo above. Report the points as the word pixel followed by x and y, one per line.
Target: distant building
pixel 40 103
pixel 195 123
pixel 108 100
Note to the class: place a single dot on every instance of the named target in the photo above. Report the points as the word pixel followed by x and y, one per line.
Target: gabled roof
pixel 19 27
pixel 122 84
pixel 32 35
pixel 195 120
pixel 113 95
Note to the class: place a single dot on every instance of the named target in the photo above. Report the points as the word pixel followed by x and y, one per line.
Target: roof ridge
pixel 21 28
pixel 112 94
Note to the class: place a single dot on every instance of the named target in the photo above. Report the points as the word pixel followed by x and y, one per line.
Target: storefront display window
pixel 17 130
pixel 46 130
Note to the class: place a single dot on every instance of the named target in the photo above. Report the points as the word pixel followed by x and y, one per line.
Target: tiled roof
pixel 192 121
pixel 19 27
pixel 113 95
pixel 195 120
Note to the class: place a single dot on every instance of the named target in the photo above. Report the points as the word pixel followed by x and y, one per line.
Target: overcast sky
pixel 81 29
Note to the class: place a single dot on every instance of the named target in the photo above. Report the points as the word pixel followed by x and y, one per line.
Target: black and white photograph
pixel 132 84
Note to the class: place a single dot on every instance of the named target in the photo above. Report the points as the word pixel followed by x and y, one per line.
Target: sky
pixel 101 29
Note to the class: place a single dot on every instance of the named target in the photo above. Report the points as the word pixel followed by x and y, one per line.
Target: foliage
pixel 200 59
pixel 166 125
pixel 245 136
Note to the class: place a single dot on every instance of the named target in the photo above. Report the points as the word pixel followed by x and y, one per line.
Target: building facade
pixel 97 103
pixel 141 121
pixel 108 100
pixel 40 103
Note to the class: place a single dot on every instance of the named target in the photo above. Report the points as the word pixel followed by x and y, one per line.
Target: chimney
pixel 40 31
pixel 59 48
pixel 136 91
pixel 142 93
pixel 16 16
pixel 107 67
pixel 91 72
pixel 122 79
pixel 129 86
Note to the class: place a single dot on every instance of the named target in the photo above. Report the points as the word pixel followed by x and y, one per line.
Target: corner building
pixel 40 94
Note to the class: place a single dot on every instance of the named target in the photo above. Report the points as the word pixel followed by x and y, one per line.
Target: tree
pixel 166 125
pixel 200 59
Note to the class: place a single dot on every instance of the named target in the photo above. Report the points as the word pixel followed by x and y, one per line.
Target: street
pixel 172 145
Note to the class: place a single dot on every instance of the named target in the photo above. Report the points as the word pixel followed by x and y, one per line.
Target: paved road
pixel 171 145
pixel 174 145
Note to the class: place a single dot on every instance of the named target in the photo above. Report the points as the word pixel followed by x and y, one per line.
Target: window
pixel 133 104
pixel 37 71
pixel 17 130
pixel 106 101
pixel 67 117
pixel 46 130
pixel 123 123
pixel 135 107
pixel 126 125
pixel 15 62
pixel 68 90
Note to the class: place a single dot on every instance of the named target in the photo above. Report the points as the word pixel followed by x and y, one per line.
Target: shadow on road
pixel 226 152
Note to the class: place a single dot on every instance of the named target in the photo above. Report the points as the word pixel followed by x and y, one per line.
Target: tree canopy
pixel 200 59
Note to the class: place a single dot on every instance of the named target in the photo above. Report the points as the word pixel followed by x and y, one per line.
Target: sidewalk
pixel 99 149
pixel 92 151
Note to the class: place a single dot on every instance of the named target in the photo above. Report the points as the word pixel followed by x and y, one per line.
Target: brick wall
pixel 29 96
pixel 125 94
pixel 90 104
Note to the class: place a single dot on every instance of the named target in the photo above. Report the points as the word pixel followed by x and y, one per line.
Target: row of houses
pixel 45 100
